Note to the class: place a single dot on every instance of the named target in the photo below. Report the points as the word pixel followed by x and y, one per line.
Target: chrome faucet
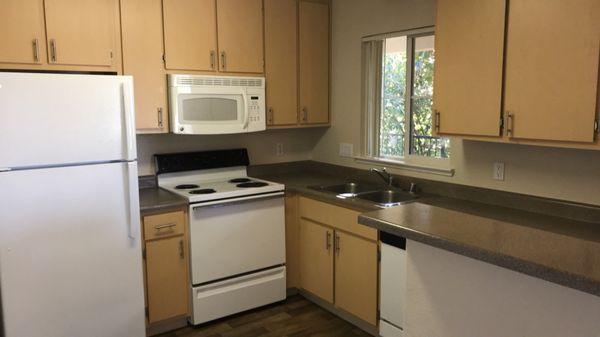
pixel 384 174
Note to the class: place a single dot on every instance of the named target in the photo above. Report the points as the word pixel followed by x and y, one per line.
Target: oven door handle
pixel 240 200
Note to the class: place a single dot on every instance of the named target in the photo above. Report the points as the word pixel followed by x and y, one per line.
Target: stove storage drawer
pixel 238 294
pixel 164 225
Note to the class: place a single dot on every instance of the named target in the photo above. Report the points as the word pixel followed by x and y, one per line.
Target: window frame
pixel 373 53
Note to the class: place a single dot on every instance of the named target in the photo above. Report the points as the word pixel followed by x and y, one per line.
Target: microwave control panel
pixel 254 108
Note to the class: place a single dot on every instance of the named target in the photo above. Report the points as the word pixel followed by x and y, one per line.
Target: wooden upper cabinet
pixel 552 69
pixel 469 48
pixel 281 61
pixel 240 32
pixel 316 259
pixel 82 32
pixel 356 276
pixel 190 34
pixel 314 62
pixel 22 32
pixel 142 33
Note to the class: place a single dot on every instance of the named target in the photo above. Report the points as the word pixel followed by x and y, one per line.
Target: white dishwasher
pixel 392 285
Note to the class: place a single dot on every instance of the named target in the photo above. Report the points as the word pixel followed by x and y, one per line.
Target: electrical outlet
pixel 279 149
pixel 346 150
pixel 498 173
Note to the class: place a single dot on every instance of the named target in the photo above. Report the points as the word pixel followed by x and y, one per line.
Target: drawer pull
pixel 181 250
pixel 165 226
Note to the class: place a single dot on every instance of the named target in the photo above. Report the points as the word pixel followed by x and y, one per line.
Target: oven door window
pixel 209 109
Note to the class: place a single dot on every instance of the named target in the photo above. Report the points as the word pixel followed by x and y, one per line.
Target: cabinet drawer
pixel 338 217
pixel 164 225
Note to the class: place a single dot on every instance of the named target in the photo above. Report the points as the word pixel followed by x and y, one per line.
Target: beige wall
pixel 261 146
pixel 556 173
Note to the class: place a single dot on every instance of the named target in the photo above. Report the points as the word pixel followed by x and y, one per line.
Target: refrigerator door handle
pixel 127 91
pixel 134 219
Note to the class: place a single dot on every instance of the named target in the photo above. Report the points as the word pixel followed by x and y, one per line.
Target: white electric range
pixel 237 231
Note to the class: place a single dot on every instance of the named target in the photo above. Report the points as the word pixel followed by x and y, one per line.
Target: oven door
pixel 220 111
pixel 236 237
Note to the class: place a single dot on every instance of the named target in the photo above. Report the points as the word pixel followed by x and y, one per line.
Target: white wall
pixel 449 295
pixel 298 145
pixel 557 173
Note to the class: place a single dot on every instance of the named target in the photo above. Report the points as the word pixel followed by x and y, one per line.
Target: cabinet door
pixel 314 62
pixel 81 32
pixel 240 32
pixel 469 47
pixel 316 259
pixel 281 61
pixel 552 69
pixel 166 268
pixel 190 34
pixel 22 31
pixel 141 22
pixel 356 276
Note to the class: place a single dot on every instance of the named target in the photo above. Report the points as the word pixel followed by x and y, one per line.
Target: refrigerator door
pixel 54 119
pixel 70 253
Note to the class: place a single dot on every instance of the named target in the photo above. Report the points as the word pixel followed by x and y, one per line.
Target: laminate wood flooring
pixel 295 317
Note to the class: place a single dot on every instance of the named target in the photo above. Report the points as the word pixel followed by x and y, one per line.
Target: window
pixel 398 84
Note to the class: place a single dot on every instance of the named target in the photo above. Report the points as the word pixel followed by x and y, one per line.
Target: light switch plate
pixel 279 149
pixel 498 173
pixel 346 150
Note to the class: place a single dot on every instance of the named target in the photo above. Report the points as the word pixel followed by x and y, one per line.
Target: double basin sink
pixel 381 197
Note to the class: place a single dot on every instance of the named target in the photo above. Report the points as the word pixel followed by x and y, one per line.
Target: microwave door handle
pixel 246 113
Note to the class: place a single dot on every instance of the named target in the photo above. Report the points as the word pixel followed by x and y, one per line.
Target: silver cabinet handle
pixel 52 50
pixel 437 120
pixel 510 125
pixel 169 226
pixel 181 250
pixel 212 59
pixel 160 117
pixel 223 57
pixel 36 51
pixel 337 245
pixel 270 117
pixel 327 241
pixel 304 114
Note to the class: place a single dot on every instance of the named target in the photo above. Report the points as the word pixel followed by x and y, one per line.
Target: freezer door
pixel 51 119
pixel 68 263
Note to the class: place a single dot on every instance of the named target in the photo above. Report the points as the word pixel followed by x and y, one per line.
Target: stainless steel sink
pixel 387 198
pixel 348 190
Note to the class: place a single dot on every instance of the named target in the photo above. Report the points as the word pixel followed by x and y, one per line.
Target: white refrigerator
pixel 70 252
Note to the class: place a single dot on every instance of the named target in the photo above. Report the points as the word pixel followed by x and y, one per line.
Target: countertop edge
pixel 562 278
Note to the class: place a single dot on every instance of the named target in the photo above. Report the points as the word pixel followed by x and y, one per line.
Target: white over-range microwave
pixel 208 105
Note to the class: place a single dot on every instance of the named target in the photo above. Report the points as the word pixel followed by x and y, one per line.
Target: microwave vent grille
pixel 220 81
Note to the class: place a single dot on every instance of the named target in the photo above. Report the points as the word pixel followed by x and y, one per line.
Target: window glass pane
pixel 392 126
pixel 422 141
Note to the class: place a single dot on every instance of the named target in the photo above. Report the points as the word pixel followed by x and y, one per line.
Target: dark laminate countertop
pixel 558 250
pixel 156 199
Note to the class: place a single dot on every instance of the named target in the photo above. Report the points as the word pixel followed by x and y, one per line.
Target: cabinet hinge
pixel 379 255
pixel 596 128
pixel 164 57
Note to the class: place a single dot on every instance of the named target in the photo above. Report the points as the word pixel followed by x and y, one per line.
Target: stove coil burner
pixel 203 191
pixel 186 187
pixel 239 180
pixel 252 184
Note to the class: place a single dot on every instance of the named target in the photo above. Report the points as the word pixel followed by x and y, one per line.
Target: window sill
pixel 447 172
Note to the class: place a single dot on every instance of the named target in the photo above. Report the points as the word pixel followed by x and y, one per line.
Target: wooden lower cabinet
pixel 338 258
pixel 356 276
pixel 316 259
pixel 166 266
